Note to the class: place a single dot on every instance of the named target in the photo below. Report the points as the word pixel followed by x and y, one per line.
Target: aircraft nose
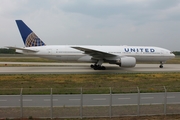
pixel 173 55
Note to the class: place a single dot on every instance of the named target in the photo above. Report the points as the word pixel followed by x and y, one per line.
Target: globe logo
pixel 33 40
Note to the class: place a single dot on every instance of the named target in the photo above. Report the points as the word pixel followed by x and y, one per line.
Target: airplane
pixel 123 56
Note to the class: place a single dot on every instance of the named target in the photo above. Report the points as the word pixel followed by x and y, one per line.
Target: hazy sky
pixel 93 22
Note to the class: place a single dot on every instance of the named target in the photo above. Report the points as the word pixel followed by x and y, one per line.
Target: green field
pixel 91 83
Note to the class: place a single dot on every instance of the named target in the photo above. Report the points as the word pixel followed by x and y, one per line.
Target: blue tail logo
pixel 30 39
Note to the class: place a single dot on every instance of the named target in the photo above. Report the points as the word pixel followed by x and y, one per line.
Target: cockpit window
pixel 171 52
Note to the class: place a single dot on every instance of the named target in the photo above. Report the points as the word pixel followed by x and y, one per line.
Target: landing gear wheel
pixel 92 66
pixel 161 66
pixel 95 68
pixel 98 67
pixel 103 68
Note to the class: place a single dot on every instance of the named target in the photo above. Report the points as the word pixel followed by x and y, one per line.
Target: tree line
pixel 176 52
pixel 7 51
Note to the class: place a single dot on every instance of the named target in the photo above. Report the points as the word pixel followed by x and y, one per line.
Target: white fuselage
pixel 67 53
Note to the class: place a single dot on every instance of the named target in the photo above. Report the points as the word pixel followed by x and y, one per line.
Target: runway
pixel 90 99
pixel 80 68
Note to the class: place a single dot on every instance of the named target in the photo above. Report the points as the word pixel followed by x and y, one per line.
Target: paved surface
pixel 89 99
pixel 65 68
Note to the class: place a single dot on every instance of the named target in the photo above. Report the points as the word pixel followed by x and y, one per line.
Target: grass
pixel 161 117
pixel 91 83
pixel 34 113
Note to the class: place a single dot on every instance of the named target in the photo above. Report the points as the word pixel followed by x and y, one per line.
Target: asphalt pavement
pixel 90 99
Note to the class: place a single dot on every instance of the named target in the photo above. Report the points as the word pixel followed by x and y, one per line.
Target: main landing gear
pixel 98 65
pixel 161 65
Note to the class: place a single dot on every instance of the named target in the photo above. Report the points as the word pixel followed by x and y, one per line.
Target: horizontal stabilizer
pixel 24 49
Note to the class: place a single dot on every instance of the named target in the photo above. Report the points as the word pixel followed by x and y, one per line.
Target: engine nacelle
pixel 127 62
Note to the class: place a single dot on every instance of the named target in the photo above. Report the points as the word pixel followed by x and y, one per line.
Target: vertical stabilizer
pixel 29 37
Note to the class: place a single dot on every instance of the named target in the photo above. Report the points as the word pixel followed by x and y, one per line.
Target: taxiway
pixel 90 99
pixel 79 68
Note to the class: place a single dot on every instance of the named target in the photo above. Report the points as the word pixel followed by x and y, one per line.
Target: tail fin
pixel 29 37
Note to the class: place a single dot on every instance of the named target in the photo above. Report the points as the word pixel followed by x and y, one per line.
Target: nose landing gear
pixel 161 65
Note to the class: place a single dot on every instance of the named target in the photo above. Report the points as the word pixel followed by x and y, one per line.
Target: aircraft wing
pixel 95 53
pixel 24 49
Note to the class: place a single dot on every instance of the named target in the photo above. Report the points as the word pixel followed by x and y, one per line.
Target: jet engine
pixel 124 62
pixel 127 62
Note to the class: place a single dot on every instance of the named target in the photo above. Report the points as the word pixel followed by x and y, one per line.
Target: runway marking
pixel 3 100
pixel 74 99
pixel 171 97
pixel 124 98
pixel 26 100
pixel 99 99
pixel 173 103
pixel 147 97
pixel 47 100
